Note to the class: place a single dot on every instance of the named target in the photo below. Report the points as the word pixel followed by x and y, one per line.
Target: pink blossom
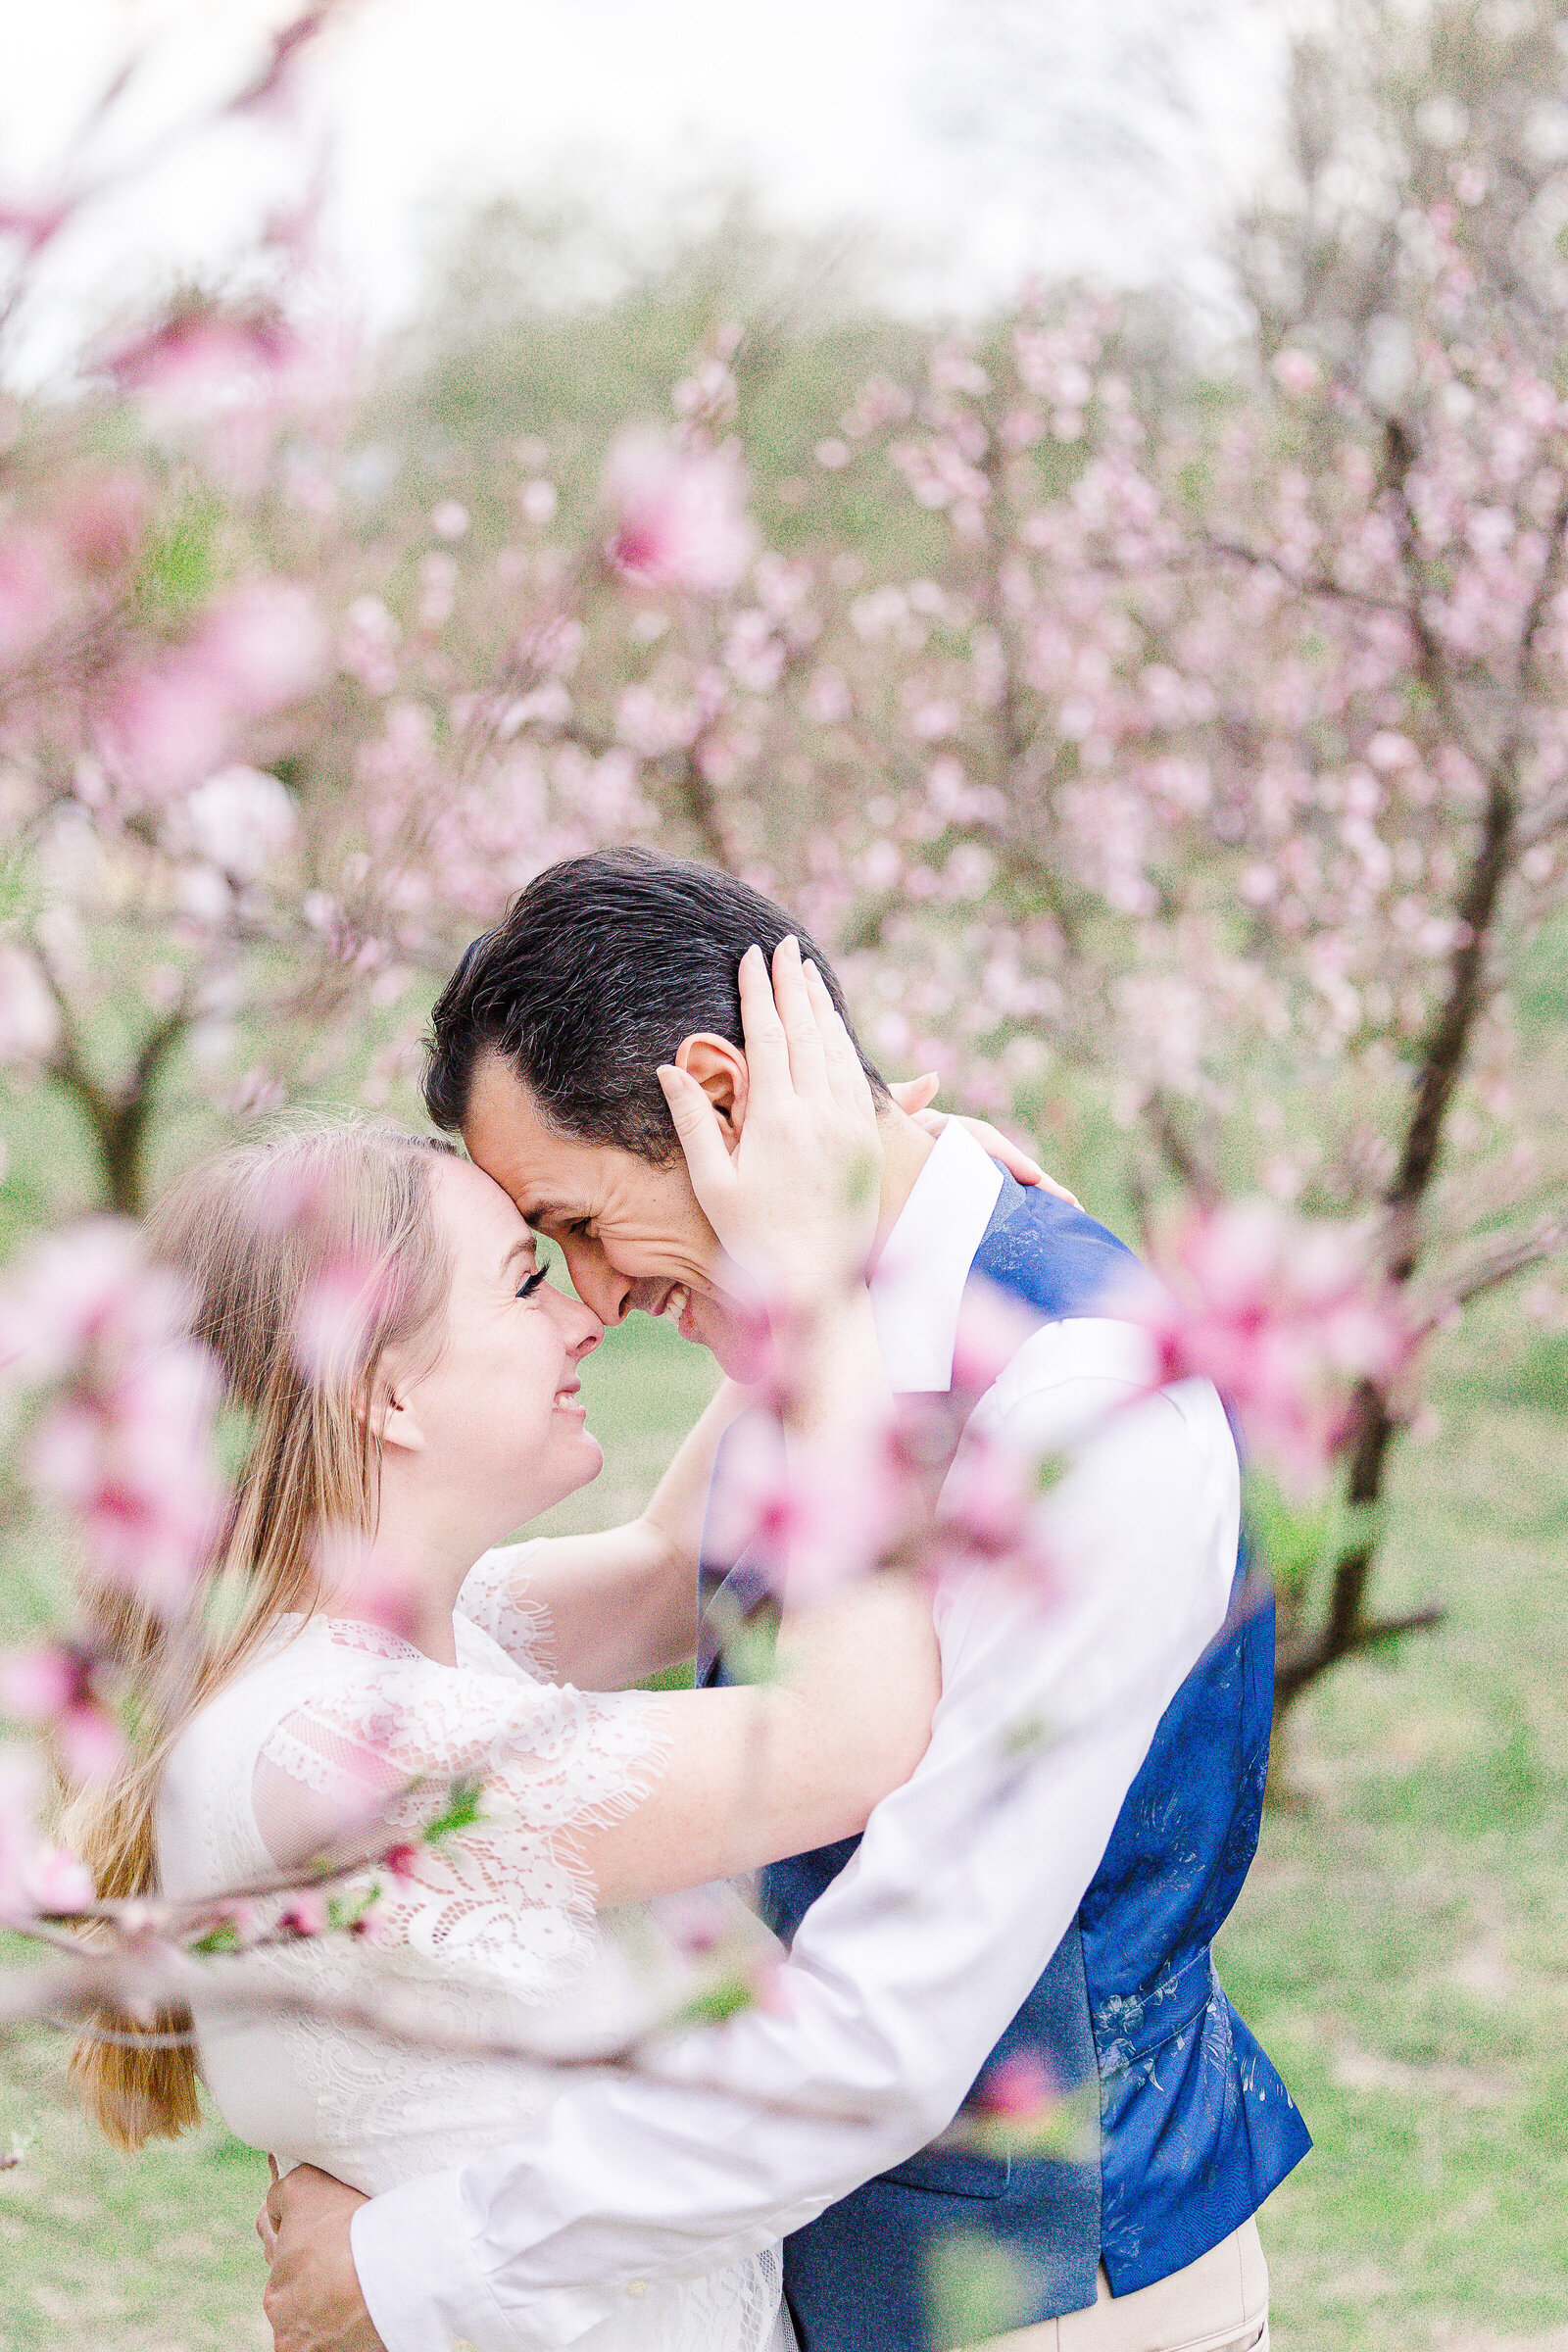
pixel 1019 2088
pixel 123 1443
pixel 264 644
pixel 364 1581
pixel 59 1883
pixel 29 1017
pixel 679 519
pixel 171 722
pixel 32 592
pixel 1283 1317
pixel 989 1497
pixel 72 1290
pixel 128 1456
pixel 336 1314
pixel 198 351
pixel 819 1518
pixel 1297 373
pixel 242 821
pixel 101 518
pixel 35 222
pixel 697 1920
pixel 305 1914
pixel 92 1745
pixel 992 1326
pixel 271 89
pixel 367 643
pixel 165 725
pixel 35 1876
pixel 51 1688
pixel 38 1684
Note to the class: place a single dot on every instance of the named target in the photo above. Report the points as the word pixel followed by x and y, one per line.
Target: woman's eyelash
pixel 526 1289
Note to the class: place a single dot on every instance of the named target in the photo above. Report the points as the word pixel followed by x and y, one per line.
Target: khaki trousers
pixel 1218 2304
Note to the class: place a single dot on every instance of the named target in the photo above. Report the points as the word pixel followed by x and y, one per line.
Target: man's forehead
pixel 545 1209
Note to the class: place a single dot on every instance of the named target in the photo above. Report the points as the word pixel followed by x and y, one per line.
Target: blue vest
pixel 1196 2128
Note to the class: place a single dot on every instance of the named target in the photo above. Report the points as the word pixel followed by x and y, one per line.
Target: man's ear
pixel 719 1069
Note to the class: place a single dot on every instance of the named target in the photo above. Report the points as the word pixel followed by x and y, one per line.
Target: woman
pixel 453 1418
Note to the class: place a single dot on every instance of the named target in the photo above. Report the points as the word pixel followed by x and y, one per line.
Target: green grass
pixel 1402 1947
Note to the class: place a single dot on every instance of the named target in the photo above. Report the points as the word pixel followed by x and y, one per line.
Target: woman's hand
pixel 914 1098
pixel 794 1197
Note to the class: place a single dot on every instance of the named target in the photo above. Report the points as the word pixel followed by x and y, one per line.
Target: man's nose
pixel 603 1291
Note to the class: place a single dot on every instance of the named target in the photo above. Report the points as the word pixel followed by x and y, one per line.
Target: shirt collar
pixel 917 1287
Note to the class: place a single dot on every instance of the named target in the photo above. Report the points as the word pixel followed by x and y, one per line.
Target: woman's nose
pixel 591 1331
pixel 581 1328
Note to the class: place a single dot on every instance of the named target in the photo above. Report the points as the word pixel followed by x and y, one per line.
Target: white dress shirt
pixel 906 1972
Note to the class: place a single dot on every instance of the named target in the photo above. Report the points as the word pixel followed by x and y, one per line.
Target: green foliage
pixel 181 562
pixel 726 1997
pixel 976 2289
pixel 225 1937
pixel 1295 1542
pixel 461 1811
pixel 345 1911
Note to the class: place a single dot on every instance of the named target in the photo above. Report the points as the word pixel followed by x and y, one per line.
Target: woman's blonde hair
pixel 253 1230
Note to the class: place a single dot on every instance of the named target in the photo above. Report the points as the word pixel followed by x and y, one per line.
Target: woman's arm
pixel 763 1771
pixel 640 1794
pixel 621 1604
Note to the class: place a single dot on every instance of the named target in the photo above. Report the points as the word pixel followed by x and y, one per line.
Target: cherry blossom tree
pixel 1188 758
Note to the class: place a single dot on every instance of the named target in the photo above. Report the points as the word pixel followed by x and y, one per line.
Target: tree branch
pixel 1492 1268
pixel 1299 1669
pixel 1187 1161
pixel 118 1116
pixel 1374 1427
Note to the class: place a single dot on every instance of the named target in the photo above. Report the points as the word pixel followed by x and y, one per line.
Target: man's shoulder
pixel 1073 1353
pixel 1050 1254
pixel 1072 1377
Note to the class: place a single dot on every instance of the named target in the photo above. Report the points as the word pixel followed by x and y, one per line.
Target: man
pixel 1058 1906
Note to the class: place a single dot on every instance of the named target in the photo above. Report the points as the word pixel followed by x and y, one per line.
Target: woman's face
pixel 497 1416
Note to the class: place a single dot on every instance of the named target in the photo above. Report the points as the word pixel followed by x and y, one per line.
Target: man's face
pixel 632 1234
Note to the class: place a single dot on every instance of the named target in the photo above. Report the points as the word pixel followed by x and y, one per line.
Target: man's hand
pixel 313 2300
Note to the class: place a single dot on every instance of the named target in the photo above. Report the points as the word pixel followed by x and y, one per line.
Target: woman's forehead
pixel 476 1209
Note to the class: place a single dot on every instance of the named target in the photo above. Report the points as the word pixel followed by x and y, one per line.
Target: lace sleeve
pixel 495 1597
pixel 504 1897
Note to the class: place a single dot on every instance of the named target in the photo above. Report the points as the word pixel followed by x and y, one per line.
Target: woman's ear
pixel 719 1069
pixel 397 1426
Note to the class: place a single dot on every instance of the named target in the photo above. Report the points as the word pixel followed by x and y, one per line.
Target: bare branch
pixel 1494 1268
pixel 1187 1162
pixel 1297 1670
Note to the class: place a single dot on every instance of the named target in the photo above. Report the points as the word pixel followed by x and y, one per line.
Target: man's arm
pixel 907 1970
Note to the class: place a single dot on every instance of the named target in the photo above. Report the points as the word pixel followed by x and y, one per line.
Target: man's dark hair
pixel 598 970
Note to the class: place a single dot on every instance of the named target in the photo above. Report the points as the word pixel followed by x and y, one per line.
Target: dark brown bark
pixel 1181 1155
pixel 700 804
pixel 118 1116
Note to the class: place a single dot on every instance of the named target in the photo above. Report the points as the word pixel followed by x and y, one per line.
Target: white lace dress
pixel 491 1932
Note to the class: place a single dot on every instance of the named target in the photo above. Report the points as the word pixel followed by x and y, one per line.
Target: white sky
pixel 982 137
